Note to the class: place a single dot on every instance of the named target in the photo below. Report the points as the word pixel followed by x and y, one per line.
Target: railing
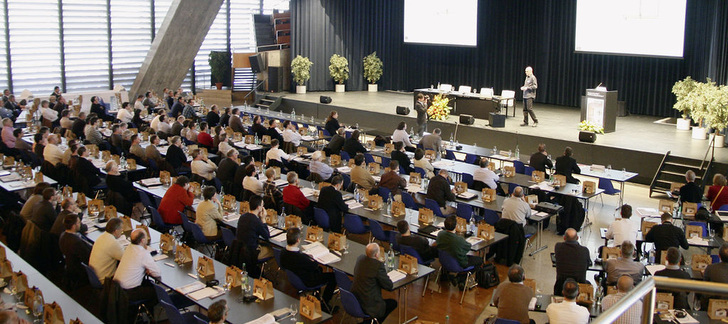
pixel 647 289
pixel 245 99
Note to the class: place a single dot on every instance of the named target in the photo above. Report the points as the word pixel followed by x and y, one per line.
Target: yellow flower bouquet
pixel 438 109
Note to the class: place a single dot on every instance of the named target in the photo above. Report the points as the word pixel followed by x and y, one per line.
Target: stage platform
pixel 638 144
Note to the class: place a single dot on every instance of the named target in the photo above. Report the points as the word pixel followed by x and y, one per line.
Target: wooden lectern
pixel 600 107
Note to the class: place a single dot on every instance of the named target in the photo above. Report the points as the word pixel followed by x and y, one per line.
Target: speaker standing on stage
pixel 421 109
pixel 529 93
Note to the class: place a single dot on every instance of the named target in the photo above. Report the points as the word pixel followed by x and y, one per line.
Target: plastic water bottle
pixel 357 196
pixel 282 220
pixel 303 116
pixel 122 161
pixel 256 139
pixel 651 258
pixel 390 260
pixel 389 202
pixel 495 150
pixel 518 153
pixel 473 227
pixel 293 113
pixel 452 140
pixel 357 125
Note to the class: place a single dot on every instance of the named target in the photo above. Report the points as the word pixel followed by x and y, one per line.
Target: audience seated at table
pixel 225 117
pixel 292 194
pixel 566 165
pixel 79 125
pixel 623 229
pixel 518 210
pixel 251 229
pixel 399 155
pixel 393 181
pixel 213 117
pixel 136 264
pixel 52 153
pixel 332 123
pixel 224 146
pixel 36 196
pixel 107 250
pixel 484 177
pixel 690 191
pixel 275 156
pixel 512 297
pixel 178 196
pixel 336 143
pixel 176 157
pixel 318 166
pixel 433 141
pixel 625 265
pixel 290 134
pixel 236 123
pixel 625 283
pixel 400 135
pixel 305 268
pixel 331 201
pixel 571 260
pixel 360 174
pixel 716 272
pixel 203 137
pixel 666 235
pixel 68 207
pixel 208 213
pixel 424 164
pixel 456 245
pixel 136 150
pixel 226 169
pixel 85 168
pixel 126 113
pixel 202 166
pixel 152 153
pixel 568 311
pixel 44 212
pixel 673 270
pixel 419 243
pixel 273 198
pixel 273 130
pixel 75 250
pixel 177 126
pixel 718 192
pixel 439 191
pixel 251 182
pixel 540 161
pixel 258 128
pixel 352 145
pixel 370 277
pixel 116 182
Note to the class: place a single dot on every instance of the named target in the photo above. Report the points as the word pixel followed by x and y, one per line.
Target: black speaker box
pixel 401 110
pixel 325 99
pixel 275 79
pixel 467 119
pixel 497 120
pixel 256 63
pixel 588 137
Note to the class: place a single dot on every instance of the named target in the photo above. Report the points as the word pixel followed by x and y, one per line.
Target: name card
pixel 700 262
pixel 461 226
pixel 375 202
pixel 293 221
pixel 415 177
pixel 374 168
pixel 166 243
pixel 665 206
pixel 693 231
pixel 335 160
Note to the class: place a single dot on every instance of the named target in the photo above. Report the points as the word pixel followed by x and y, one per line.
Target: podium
pixel 600 107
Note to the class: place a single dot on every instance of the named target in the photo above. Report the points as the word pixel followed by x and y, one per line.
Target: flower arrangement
pixel 301 69
pixel 588 126
pixel 339 68
pixel 372 68
pixel 438 109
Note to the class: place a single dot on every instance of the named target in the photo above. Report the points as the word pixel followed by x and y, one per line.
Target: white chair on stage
pixel 464 89
pixel 486 93
pixel 508 100
pixel 445 87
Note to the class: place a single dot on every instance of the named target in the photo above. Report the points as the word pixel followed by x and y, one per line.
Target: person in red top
pixel 204 138
pixel 292 194
pixel 177 197
pixel 718 192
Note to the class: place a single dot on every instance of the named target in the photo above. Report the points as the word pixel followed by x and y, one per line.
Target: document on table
pixel 265 319
pixel 652 268
pixel 309 192
pixel 648 212
pixel 474 240
pixel 353 204
pixel 442 163
pixel 434 233
pixel 274 231
pixel 186 289
pixel 231 217
pixel 396 275
pixel 279 238
pixel 466 195
pixel 320 253
pixel 11 177
pixel 307 138
pixel 698 241
pixel 414 188
pixel 160 257
pixel 280 182
pixel 151 182
pixel 206 292
pixel 345 169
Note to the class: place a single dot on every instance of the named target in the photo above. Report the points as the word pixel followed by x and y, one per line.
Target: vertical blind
pixel 84 45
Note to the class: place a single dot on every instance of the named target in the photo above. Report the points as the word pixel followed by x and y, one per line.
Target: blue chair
pixel 277 257
pixel 227 236
pixel 471 158
pixel 175 316
pixel 377 231
pixel 93 279
pixel 408 201
pixel 179 301
pixel 520 167
pixel 321 218
pixel 344 156
pixel 529 171
pixel 197 234
pixel 511 187
pixel 342 279
pixel 352 306
pixel 368 158
pixel 326 133
pixel 385 161
pixel 354 225
pixel 158 222
pixel 450 155
pixel 347 180
pixel 701 224
pixel 421 171
pixel 723 208
pixel 715 258
pixel 606 185
pixel 406 249
pixel 144 198
pixel 468 178
pixel 199 320
pixel 450 264
pixel 217 183
pixel 384 193
pixel 505 321
pixel 490 216
pixel 432 205
pixel 297 283
pixel 464 211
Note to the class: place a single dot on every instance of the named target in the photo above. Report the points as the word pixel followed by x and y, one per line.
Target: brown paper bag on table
pixel 302 130
pixel 8 161
pixel 81 200
pixel 461 226
pixel 67 192
pixel 116 159
pixel 335 160
pixel 700 261
pixel 293 221
pixel 398 209
pixel 322 185
pixel 233 277
pixel 244 207
pixel 310 307
pixel 277 172
pixel 610 253
pixel 38 178
pixel 370 145
pixel 559 180
pixel 165 178
pixel 20 280
pixel 532 200
pixel 301 151
pixel 166 243
pixel 664 301
pixel 263 289
pixel 590 187
pixel 430 154
pixel 271 217
pixel 126 224
pixel 75 321
pixel 530 283
pixel 675 187
pixel 689 209
pixel 693 231
pixel 351 163
pixel 3 255
pixel 717 309
pixel 415 177
pixel 337 241
pixel 486 231
pixel 145 137
pixel 205 267
pixel 52 314
pixel 266 140
pixel 6 269
pixel 426 216
pixel 237 136
pixel 377 159
pixel 314 234
pixel 249 139
pixel 509 171
pixel 374 168
pixel 109 212
pixel 488 195
pixel 388 148
pixel 665 206
pixel 228 202
pixel 196 188
pixel 538 176
pixel 95 206
pixel 408 264
pixel 646 226
pixel 192 147
pixel 30 293
pixel 183 254
pixel 460 187
pixel 375 202
pixel 131 164
pixel 586 294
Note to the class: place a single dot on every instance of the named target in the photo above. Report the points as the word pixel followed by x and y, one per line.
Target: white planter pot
pixel 700 133
pixel 300 89
pixel 719 140
pixel 373 87
pixel 683 124
pixel 340 88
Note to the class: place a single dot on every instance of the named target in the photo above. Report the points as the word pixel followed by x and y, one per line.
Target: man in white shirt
pixel 275 153
pixel 290 134
pixel 135 264
pixel 251 182
pixel 634 313
pixel 485 175
pixel 125 114
pixel 202 166
pixel 567 311
pixel 163 126
pixel 623 229
pixel 138 105
pixel 154 124
pixel 517 209
pixel 47 112
pixel 52 153
pixel 400 135
pixel 107 251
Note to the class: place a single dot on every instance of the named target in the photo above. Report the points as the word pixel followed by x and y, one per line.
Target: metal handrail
pixel 648 288
pixel 245 99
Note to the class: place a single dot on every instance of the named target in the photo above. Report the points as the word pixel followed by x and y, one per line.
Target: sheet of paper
pixel 697 241
pixel 345 169
pixel 265 319
pixel 231 217
pixel 396 275
pixel 186 289
pixel 160 257
pixel 327 258
pixel 279 238
pixel 203 293
pixel 307 191
pixel 353 204
pixel 467 195
pixel 654 268
pixel 474 240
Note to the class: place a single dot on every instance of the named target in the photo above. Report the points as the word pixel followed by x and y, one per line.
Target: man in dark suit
pixel 213 118
pixel 99 110
pixel 236 123
pixel 78 125
pixel 225 117
pixel 716 272
pixel 540 160
pixel 74 249
pixel 572 260
pixel 177 126
pixel 336 143
pixel 331 201
pixel 566 165
pixel 399 155
pixel 419 243
pixel 44 211
pixel 690 192
pixel 666 235
pixel 178 107
pixel 258 128
pixel 68 206
pixel 226 169
pixel 250 229
pixel 304 267
pixel 439 191
pixel 176 157
pixel 421 109
pixel 148 102
pixel 370 277
pixel 273 132
pixel 392 181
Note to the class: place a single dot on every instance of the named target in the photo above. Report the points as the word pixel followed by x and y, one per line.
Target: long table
pixel 19 185
pixel 465 103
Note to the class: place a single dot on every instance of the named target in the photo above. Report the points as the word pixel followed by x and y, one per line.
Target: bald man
pixel 572 260
pixel 136 262
pixel 634 313
pixel 518 210
pixel 370 277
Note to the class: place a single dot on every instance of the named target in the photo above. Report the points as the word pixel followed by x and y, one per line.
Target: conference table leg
pixel 540 234
pixel 402 307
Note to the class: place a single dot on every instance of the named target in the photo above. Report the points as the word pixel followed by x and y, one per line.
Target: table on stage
pixel 473 104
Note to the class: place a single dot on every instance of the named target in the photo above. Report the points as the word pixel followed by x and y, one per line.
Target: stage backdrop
pixel 511 35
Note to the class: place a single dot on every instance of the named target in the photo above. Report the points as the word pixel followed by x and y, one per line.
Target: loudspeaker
pixel 256 63
pixel 402 110
pixel 325 99
pixel 467 119
pixel 275 79
pixel 588 137
pixel 497 120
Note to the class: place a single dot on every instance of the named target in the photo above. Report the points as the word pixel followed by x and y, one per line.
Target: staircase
pixel 672 170
pixel 272 31
pixel 267 102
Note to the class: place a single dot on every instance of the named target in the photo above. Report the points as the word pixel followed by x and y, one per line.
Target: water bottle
pixel 390 260
pixel 473 227
pixel 452 140
pixel 389 202
pixel 510 153
pixel 357 196
pixel 281 221
pixel 256 139
pixel 122 161
pixel 518 153
pixel 357 125
pixel 651 258
pixel 495 150
pixel 447 319
pixel 293 113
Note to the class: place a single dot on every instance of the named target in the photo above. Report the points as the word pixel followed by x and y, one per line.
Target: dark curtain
pixel 512 34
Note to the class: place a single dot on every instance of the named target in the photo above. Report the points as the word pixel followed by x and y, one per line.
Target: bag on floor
pixel 487 276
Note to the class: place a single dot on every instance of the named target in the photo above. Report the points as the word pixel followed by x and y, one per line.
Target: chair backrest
pixel 408 201
pixel 471 158
pixel 173 313
pixel 368 158
pixel 445 87
pixel 529 170
pixel 342 279
pixel 296 282
pixel 144 198
pixel 277 256
pixel 353 224
pixel 344 156
pixel 508 94
pixel 449 262
pixel 465 211
pixel 162 294
pixel 194 229
pixel 432 205
pixel 93 279
pixel 505 321
pixel 486 93
pixel 227 236
pixel 606 185
pixel 421 171
pixel 199 320
pixel 701 224
pixel 490 216
pixel 351 304
pixel 384 193
pixel 321 217
pixel 157 219
pixel 377 231
pixel 347 180
pixel 467 178
pixel 385 161
pixel 724 207
pixel 464 89
pixel 519 166
pixel 450 155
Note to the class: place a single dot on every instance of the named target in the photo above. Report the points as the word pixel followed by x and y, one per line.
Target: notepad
pixel 151 182
pixel 345 169
pixel 396 275
pixel 11 177
pixel 207 292
pixel 320 253
pixel 265 319
pixel 467 195
pixel 160 257
pixel 186 289
pixel 474 240
pixel 652 268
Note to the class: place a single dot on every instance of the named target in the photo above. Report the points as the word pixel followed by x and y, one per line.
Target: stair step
pixel 664 181
pixel 267 100
pixel 682 165
pixel 679 174
pixel 262 105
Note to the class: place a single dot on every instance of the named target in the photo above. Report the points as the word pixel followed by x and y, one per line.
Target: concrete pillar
pixel 175 46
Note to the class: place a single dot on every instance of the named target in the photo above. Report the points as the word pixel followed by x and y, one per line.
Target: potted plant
pixel 588 126
pixel 301 69
pixel 682 89
pixel 372 70
pixel 219 67
pixel 717 117
pixel 339 70
pixel 700 106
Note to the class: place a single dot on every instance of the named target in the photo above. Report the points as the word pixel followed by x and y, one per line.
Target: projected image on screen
pixel 631 27
pixel 452 22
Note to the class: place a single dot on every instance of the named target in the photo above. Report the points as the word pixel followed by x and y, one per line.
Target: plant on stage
pixel 339 68
pixel 589 126
pixel 717 104
pixel 438 109
pixel 683 90
pixel 301 69
pixel 372 68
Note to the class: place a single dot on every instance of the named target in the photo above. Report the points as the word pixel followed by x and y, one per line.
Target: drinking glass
pixel 37 307
pixel 294 311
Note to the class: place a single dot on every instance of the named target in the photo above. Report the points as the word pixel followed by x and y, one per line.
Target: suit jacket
pixel 260 130
pixel 76 250
pixel 540 162
pixel 665 236
pixel 370 278
pixel 100 111
pixel 303 266
pixel 119 184
pixel 332 126
pixel 420 244
pixel 421 112
pixel 690 192
pixel 175 156
pixel 237 125
pixel 337 142
pixel 78 126
pixel 44 215
pixel 403 160
pixel 87 169
pixel 273 133
pixel 353 146
pixel 176 128
pixel 58 226
pixel 566 165
pixel 224 120
pixel 392 181
pixel 250 228
pixel 681 298
pixel 572 260
pixel 226 172
pixel 212 119
pixel 439 190
pixel 177 108
pixel 331 201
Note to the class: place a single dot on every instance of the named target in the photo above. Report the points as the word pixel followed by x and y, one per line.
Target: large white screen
pixel 631 27
pixel 452 22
